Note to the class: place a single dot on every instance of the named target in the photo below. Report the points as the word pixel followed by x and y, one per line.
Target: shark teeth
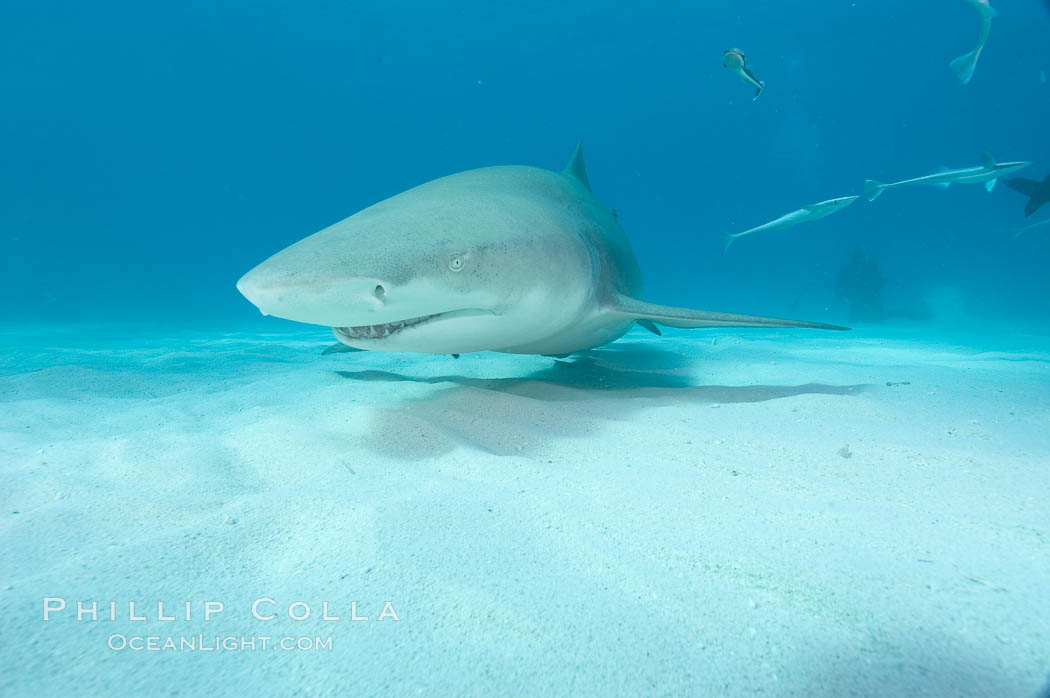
pixel 383 330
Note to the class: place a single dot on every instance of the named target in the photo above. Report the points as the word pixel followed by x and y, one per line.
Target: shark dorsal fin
pixel 988 161
pixel 575 168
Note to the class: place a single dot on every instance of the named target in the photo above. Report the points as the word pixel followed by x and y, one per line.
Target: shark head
pixel 460 264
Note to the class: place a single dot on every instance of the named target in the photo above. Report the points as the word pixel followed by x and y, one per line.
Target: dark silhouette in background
pixel 1038 193
pixel 859 284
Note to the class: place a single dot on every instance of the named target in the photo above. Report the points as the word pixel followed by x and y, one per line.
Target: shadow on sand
pixel 570 398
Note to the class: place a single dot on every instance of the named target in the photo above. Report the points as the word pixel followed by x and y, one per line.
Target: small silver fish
pixel 734 60
pixel 1040 226
pixel 988 173
pixel 963 65
pixel 813 212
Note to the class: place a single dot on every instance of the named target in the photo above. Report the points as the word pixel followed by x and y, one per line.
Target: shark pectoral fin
pixel 990 184
pixel 688 318
pixel 339 348
pixel 987 161
pixel 648 324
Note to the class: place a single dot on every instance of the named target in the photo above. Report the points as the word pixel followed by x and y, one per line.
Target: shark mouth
pixel 389 328
pixel 380 331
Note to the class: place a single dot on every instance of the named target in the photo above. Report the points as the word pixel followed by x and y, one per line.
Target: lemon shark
pixel 509 259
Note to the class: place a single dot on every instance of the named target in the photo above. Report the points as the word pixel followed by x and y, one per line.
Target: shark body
pixel 509 259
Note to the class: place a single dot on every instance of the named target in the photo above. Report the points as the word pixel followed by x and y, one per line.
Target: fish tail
pixel 728 239
pixel 758 90
pixel 963 65
pixel 872 189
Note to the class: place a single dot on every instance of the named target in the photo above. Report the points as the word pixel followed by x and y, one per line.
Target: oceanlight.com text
pixel 217 643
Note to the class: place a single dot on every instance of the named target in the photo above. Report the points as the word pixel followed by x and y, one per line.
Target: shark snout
pixel 261 294
pixel 312 298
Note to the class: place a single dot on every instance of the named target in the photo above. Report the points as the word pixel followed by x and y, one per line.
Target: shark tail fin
pixel 727 240
pixel 963 66
pixel 872 189
pixel 758 90
pixel 688 318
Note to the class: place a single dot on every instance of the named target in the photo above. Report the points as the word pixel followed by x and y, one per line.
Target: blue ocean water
pixel 155 152
pixel 707 513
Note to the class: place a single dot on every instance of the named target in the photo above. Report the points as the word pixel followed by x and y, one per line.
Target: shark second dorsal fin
pixel 988 161
pixel 575 168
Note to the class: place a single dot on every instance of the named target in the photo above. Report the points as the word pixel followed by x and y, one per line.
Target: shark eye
pixel 455 262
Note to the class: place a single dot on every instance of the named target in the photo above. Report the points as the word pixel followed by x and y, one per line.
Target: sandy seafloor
pixel 666 516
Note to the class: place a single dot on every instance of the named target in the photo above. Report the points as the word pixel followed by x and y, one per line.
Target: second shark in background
pixel 963 65
pixel 812 212
pixel 988 172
